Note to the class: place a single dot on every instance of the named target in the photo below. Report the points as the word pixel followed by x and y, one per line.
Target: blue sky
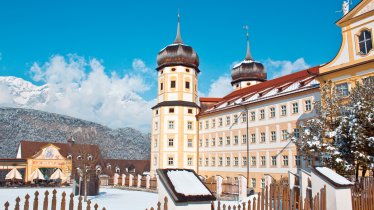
pixel 285 35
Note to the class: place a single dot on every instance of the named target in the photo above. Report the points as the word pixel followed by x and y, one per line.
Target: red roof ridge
pixel 209 99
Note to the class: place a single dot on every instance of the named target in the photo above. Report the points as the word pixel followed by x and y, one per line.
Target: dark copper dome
pixel 178 54
pixel 248 70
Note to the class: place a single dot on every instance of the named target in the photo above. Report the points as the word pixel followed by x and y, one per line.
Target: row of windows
pixel 221 161
pixel 253 139
pixel 173 85
pixel 343 88
pixel 252 115
pixel 171 125
pixel 170 143
pixel 172 110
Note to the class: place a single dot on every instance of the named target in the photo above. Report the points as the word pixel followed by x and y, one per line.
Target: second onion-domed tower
pixel 174 139
pixel 248 72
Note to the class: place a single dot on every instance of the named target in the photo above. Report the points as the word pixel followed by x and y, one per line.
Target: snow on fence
pixel 279 197
pixel 143 182
pixel 363 194
pixel 53 206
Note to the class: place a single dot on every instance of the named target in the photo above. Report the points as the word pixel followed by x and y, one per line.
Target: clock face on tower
pixel 49 153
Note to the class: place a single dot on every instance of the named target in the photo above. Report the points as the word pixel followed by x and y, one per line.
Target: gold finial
pixel 248 54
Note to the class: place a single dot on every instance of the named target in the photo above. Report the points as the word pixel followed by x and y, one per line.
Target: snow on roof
pixel 186 183
pixel 245 61
pixel 333 176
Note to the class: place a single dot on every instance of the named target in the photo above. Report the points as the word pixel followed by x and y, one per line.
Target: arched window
pixel 118 170
pixel 365 41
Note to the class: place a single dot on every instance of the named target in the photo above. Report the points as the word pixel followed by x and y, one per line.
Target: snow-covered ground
pixel 111 199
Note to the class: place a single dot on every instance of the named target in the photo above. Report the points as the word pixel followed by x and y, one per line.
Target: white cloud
pixel 220 87
pixel 139 65
pixel 281 68
pixel 81 88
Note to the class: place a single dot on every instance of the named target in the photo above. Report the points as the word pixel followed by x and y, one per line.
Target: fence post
pixel 131 179
pixel 254 204
pixel 165 203
pixel 35 206
pixel 224 206
pixel 45 203
pixel 123 180
pixel 53 205
pixel 96 206
pixel 211 205
pixel 63 201
pixel 6 205
pixel 219 180
pixel 80 203
pixel 88 205
pixel 26 205
pixel 159 205
pixel 219 205
pixel 139 184
pixel 249 204
pixel 71 202
pixel 17 203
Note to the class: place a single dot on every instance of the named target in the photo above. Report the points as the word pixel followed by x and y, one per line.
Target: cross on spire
pixel 178 38
pixel 248 56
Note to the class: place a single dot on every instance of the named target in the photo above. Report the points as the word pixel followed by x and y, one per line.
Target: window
pixel 253 116
pixel 206 142
pixel 228 120
pixel 244 139
pixel 263 160
pixel 206 124
pixel 295 108
pixel 200 161
pixel 220 161
pixel 171 142
pixel 273 136
pixel 187 70
pixel 285 160
pixel 213 161
pixel 253 138
pixel 254 182
pixel 272 112
pixel 284 135
pixel 213 123
pixel 189 143
pixel 220 121
pixel 171 110
pixel 157 112
pixel 189 125
pixel 236 161
pixel 297 160
pixel 262 137
pixel 187 85
pixel 156 126
pixel 228 161
pixel 171 124
pixel 189 111
pixel 308 105
pixel 172 84
pixel 244 161
pixel 273 160
pixel 173 69
pixel 170 161
pixel 189 161
pixel 262 114
pixel 155 161
pixel 235 118
pixel 220 141
pixel 155 143
pixel 228 141
pixel 206 161
pixel 296 133
pixel 213 141
pixel 200 125
pixel 365 42
pixel 263 183
pixel 161 86
pixel 200 142
pixel 244 117
pixel 236 140
pixel 253 160
pixel 284 110
pixel 342 89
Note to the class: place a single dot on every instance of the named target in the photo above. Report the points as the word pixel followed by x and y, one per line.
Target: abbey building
pixel 246 133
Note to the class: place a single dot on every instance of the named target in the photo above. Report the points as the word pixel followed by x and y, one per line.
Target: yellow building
pixel 355 59
pixel 174 123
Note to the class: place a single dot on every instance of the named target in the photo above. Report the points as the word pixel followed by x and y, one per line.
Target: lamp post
pixel 247 140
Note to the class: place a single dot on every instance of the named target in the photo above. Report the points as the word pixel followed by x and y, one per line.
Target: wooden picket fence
pixel 363 194
pixel 165 206
pixel 279 197
pixel 35 203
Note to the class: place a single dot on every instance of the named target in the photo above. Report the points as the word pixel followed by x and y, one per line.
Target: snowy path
pixel 111 199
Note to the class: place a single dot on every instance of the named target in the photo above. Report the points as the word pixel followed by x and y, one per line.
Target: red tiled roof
pixel 204 99
pixel 140 166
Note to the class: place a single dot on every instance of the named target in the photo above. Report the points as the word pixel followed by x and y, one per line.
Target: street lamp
pixel 247 139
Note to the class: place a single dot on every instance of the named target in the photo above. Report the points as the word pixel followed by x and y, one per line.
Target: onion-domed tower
pixel 248 72
pixel 174 125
